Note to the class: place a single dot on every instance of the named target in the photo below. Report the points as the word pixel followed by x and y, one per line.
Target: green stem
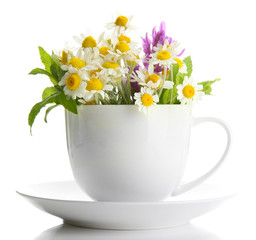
pixel 171 72
pixel 161 89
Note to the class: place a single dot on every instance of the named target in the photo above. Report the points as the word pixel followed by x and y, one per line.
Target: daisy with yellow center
pixel 146 99
pixel 166 54
pixel 88 46
pixel 122 49
pixel 74 82
pixel 182 66
pixel 151 79
pixel 120 24
pixel 74 62
pixel 65 54
pixel 94 87
pixel 112 71
pixel 189 91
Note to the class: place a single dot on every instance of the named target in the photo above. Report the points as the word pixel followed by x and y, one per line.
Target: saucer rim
pixel 163 202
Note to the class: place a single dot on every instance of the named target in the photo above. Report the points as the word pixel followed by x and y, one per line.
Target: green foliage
pixel 68 103
pixel 189 65
pixel 51 95
pixel 207 86
pixel 38 106
pixel 48 92
pixel 48 110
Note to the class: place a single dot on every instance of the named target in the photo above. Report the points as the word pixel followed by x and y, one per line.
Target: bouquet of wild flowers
pixel 110 70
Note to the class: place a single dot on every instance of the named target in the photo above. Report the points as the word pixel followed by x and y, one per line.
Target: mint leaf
pixel 68 103
pixel 45 58
pixel 37 107
pixel 48 110
pixel 47 61
pixel 189 65
pixel 165 96
pixel 48 92
pixel 40 71
pixel 207 86
pixel 175 69
pixel 55 59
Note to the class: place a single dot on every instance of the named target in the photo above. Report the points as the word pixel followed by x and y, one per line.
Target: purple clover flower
pixel 158 37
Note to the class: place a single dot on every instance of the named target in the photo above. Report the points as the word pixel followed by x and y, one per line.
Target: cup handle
pixel 187 186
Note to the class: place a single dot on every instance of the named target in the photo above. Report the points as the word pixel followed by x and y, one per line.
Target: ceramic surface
pixel 67 201
pixel 120 154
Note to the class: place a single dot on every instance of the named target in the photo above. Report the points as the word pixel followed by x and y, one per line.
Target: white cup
pixel 120 154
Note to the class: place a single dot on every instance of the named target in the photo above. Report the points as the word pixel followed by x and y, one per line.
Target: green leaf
pixel 48 92
pixel 40 71
pixel 37 107
pixel 48 110
pixel 47 61
pixel 207 86
pixel 68 103
pixel 175 68
pixel 55 59
pixel 45 58
pixel 165 96
pixel 189 65
pixel 179 78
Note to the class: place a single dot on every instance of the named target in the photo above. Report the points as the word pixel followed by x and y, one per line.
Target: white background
pixel 220 37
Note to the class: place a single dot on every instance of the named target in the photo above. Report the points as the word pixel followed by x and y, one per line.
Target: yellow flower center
pixel 94 72
pixel 64 57
pixel 110 65
pixel 124 38
pixel 167 72
pixel 104 50
pixel 188 91
pixel 73 81
pixel 147 100
pixel 163 55
pixel 180 63
pixel 94 84
pixel 121 21
pixel 77 63
pixel 153 77
pixel 122 46
pixel 109 41
pixel 89 42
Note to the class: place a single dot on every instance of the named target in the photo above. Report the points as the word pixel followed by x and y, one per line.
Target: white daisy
pixel 88 46
pixel 182 66
pixel 123 49
pixel 74 82
pixel 189 91
pixel 112 71
pixel 65 54
pixel 96 86
pixel 165 55
pixel 146 99
pixel 121 24
pixel 151 79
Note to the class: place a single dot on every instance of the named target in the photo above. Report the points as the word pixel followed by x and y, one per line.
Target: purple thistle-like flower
pixel 159 37
pixel 146 43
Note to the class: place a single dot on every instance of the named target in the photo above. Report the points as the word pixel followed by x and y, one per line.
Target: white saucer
pixel 67 201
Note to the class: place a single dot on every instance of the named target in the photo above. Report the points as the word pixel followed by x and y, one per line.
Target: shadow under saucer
pixel 68 232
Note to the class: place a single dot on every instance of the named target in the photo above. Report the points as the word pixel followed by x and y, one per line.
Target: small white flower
pixel 121 24
pixel 189 91
pixel 182 66
pixel 146 99
pixel 165 55
pixel 112 71
pixel 74 82
pixel 151 79
pixel 96 86
pixel 88 45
